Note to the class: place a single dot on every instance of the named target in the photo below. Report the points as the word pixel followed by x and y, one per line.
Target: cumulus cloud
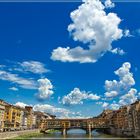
pixel 54 110
pixel 21 104
pixel 32 66
pixel 105 105
pixel 133 33
pixel 129 98
pixel 59 112
pixel 123 88
pixel 45 89
pixel 114 106
pixel 43 85
pixel 95 28
pixel 117 51
pixel 99 103
pixel 77 54
pixel 125 76
pixel 15 78
pixel 111 94
pixel 126 81
pixel 13 88
pixel 109 4
pixel 127 33
pixel 76 97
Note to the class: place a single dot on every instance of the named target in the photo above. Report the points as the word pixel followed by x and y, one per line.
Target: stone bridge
pixel 64 125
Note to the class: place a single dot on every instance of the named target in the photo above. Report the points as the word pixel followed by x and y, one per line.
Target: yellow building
pixel 12 117
pixel 2 110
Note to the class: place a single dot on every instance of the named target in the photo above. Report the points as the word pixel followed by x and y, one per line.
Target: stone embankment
pixel 13 134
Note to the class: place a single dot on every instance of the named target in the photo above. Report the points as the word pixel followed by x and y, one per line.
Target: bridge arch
pixel 49 129
pixel 70 130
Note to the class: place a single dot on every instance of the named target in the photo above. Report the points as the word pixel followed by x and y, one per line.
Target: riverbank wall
pixel 10 135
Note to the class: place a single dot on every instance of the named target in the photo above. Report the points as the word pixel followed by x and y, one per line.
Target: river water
pixel 77 134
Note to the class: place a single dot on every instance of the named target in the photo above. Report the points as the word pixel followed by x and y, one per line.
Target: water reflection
pixel 77 134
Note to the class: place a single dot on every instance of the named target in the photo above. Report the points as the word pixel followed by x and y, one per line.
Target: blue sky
pixel 29 32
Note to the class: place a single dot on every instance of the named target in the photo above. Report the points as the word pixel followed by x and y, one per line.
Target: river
pixel 77 134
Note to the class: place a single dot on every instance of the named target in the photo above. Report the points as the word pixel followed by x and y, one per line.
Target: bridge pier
pixel 42 131
pixel 64 131
pixel 88 131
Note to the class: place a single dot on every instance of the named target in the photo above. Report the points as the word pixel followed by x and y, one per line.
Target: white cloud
pixel 15 78
pixel 127 33
pixel 125 76
pixel 92 96
pixel 21 104
pixel 76 97
pixel 117 51
pixel 111 94
pixel 114 106
pixel 13 88
pixel 125 99
pixel 99 103
pixel 43 85
pixel 109 4
pixel 93 27
pixel 129 98
pixel 133 33
pixel 45 89
pixel 126 81
pixel 67 54
pixel 54 110
pixel 32 66
pixel 59 112
pixel 105 105
pixel 122 88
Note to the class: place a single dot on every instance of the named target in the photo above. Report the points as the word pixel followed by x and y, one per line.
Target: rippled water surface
pixel 78 134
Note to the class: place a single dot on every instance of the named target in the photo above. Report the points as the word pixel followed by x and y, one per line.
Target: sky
pixel 70 59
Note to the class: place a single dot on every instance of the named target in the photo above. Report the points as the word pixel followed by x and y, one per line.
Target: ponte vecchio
pixel 64 125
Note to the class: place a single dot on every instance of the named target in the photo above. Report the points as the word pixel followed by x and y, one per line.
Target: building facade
pixel 12 117
pixel 24 117
pixel 30 116
pixel 134 118
pixel 2 110
pixel 124 122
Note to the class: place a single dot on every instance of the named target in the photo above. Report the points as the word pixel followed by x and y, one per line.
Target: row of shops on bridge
pixel 16 118
pixel 124 121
